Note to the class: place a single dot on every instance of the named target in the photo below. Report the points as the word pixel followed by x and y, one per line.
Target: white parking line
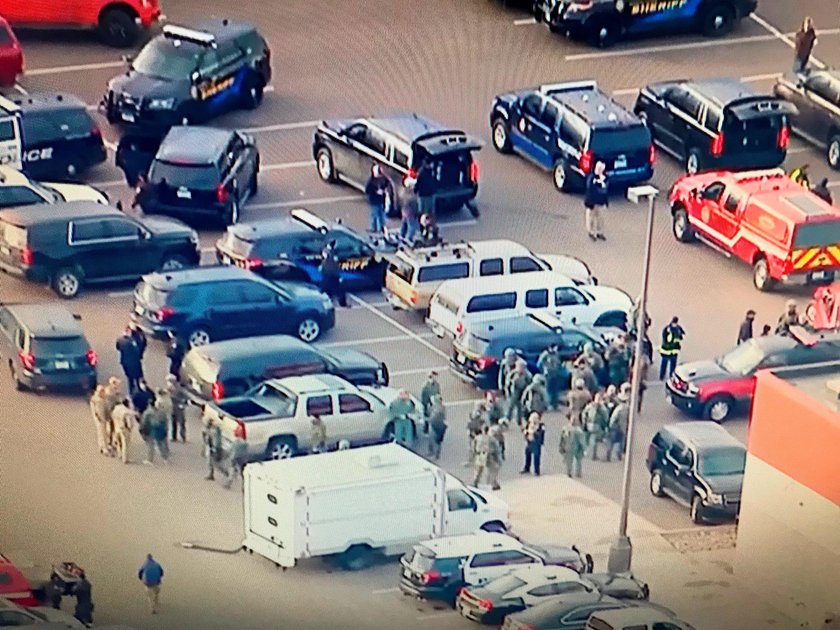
pixel 748 79
pixel 111 183
pixel 438 369
pixel 464 223
pixel 282 126
pixel 20 89
pixel 318 201
pixel 36 72
pixel 524 22
pixel 375 340
pixel 117 294
pixel 286 165
pixel 782 37
pixel 383 591
pixel 834 184
pixel 111 146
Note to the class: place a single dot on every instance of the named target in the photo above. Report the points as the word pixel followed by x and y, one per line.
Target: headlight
pixel 714 499
pixel 162 103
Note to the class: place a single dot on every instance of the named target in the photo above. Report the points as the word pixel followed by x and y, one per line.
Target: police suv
pixel 190 75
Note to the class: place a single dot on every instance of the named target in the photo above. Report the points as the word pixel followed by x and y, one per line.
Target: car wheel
pixel 198 337
pixel 254 185
pixel 232 215
pixel 67 282
pixel 501 137
pixel 309 329
pixel 717 20
pixel 253 95
pixel 833 152
pixel 358 558
pixel 173 262
pixel 561 176
pixel 761 275
pixel 281 448
pixel 718 408
pixel 324 163
pixel 603 33
pixel 681 227
pixel 117 28
pixel 693 162
pixel 696 510
pixel 656 484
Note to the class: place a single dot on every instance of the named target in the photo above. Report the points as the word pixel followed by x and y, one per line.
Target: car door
pixel 225 314
pixel 259 309
pixel 347 155
pixel 681 483
pixel 373 149
pixel 240 168
pixel 541 133
pixel 306 254
pixel 355 259
pixel 678 128
pixel 669 465
pixel 820 99
pixel 8 329
pixel 571 306
pixel 709 208
pixel 357 421
pixel 96 251
pixel 460 512
pixel 322 406
pixel 522 129
pixel 133 248
pixel 729 211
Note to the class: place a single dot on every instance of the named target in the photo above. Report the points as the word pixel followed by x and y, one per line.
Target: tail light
pixel 459 328
pixel 92 357
pixel 217 391
pixel 652 155
pixel 474 171
pixel 412 174
pixel 164 313
pixel 717 145
pixel 784 137
pixel 27 257
pixel 486 605
pixel 430 576
pixel 482 363
pixel 585 161
pixel 252 263
pixel 239 431
pixel 413 297
pixel 28 359
pixel 222 194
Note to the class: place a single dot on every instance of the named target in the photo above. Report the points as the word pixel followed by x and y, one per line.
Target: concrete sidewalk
pixel 689 571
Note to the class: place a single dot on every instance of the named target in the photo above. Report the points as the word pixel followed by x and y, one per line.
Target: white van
pixel 457 303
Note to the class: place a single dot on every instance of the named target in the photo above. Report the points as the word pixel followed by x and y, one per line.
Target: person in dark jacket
pixel 596 200
pixel 424 188
pixel 84 600
pixel 669 351
pixel 429 232
pixel 821 190
pixel 130 359
pixel 409 212
pixel 376 190
pixel 745 331
pixel 175 352
pixel 534 433
pixel 331 275
pixel 142 397
pixel 143 193
pixel 804 41
pixel 139 338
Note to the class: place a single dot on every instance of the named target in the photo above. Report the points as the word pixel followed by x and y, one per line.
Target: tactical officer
pixel 596 421
pixel 535 398
pixel 787 319
pixel 551 365
pixel 573 446
pixel 577 399
pixel 672 336
pixel 400 413
pixel 487 458
pixel 507 366
pixel 430 389
pixel 619 420
pixel 517 382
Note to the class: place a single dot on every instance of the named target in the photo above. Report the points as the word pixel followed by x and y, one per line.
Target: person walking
pixel 551 365
pixel 215 453
pixel 238 461
pixel 596 200
pixel 577 399
pixel 437 426
pixel 175 351
pixel 517 382
pixel 497 432
pixel 409 211
pixel 669 351
pixel 125 419
pixel 487 458
pixel 535 398
pixel 143 397
pixel 821 190
pixel 573 446
pixel 431 388
pixel 153 429
pixel 596 421
pixel 83 592
pixel 804 41
pixel 619 420
pixel 745 330
pixel 534 433
pixel 401 412
pixel 151 575
pixel 318 435
pixel 99 412
pixel 376 191
pixel 113 397
pixel 163 400
pixel 492 409
pixel 507 366
pixel 617 363
pixel 581 369
pixel 330 270
pixel 595 363
pixel 179 399
pixel 475 424
pixel 787 319
pixel 130 359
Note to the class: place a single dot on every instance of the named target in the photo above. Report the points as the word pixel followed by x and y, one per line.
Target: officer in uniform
pixel 619 420
pixel 430 389
pixel 551 366
pixel 573 446
pixel 517 382
pixel 596 421
pixel 535 398
pixel 319 435
pixel 787 319
pixel 215 455
pixel 487 458
pixel 507 366
pixel 577 399
pixel 400 413
pixel 672 336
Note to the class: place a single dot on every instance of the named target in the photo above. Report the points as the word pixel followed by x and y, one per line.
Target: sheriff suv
pixel 716 389
pixel 716 123
pixel 407 147
pixel 700 465
pixel 817 97
pixel 190 75
pixel 783 231
pixel 566 128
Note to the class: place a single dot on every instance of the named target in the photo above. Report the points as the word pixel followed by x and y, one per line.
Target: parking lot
pixel 60 500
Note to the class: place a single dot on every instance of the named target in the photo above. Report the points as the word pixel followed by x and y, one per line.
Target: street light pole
pixel 621 551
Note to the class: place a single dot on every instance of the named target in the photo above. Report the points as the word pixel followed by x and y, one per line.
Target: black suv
pixel 230 368
pixel 213 303
pixel 84 242
pixel 566 128
pixel 716 123
pixel 406 146
pixel 203 172
pixel 289 248
pixel 44 346
pixel 59 139
pixel 191 75
pixel 817 97
pixel 700 465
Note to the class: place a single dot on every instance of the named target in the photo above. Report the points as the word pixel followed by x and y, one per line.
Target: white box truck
pixel 358 503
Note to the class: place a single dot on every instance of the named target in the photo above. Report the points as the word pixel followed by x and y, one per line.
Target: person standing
pixel 617 364
pixel 429 232
pixel 151 575
pixel 143 397
pixel 175 351
pixel 573 446
pixel 400 412
pixel 582 369
pixel 492 409
pixel 331 275
pixel 577 399
pixel 409 212
pixel 139 338
pixel 619 420
pixel 113 397
pixel 130 359
pixel 487 458
pixel 551 365
pixel 804 41
pixel 517 382
pixel 821 190
pixel 215 454
pixel 745 330
pixel 430 389
pixel 596 200
pixel 376 191
pixel 534 433
pixel 163 401
pixel 669 351
pixel 153 429
pixel 596 421
pixel 437 426
pixel 125 419
pixel 534 398
pixel 238 461
pixel 83 591
pixel 179 407
pixel 508 364
pixel 787 319
pixel 318 435
pixel 424 189
pixel 475 424
pixel 99 412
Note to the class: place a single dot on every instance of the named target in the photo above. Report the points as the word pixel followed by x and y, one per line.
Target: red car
pixel 119 22
pixel 11 55
pixel 14 585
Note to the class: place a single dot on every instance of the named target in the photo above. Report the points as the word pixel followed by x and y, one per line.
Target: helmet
pixel 510 353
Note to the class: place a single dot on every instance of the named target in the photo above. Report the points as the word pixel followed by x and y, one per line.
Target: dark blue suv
pixel 566 128
pixel 207 304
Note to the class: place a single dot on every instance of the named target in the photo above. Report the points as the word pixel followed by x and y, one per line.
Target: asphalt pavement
pixel 60 500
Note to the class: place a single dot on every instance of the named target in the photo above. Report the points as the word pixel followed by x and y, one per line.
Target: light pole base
pixel 621 553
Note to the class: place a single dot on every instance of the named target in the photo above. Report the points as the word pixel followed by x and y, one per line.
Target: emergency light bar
pixel 568 87
pixel 757 176
pixel 171 31
pixel 9 106
pixel 307 218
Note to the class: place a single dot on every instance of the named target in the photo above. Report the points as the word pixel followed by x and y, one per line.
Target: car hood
pixel 349 359
pixel 569 266
pixel 166 226
pixel 729 484
pixel 610 297
pixel 699 371
pixel 140 85
pixel 77 192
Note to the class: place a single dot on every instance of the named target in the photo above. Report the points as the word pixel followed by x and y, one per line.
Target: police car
pixel 49 135
pixel 289 248
pixel 603 22
pixel 190 75
pixel 16 189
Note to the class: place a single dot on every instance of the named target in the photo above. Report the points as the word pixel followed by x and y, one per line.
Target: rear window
pixel 492 302
pixel 201 366
pixel 620 139
pixel 402 270
pixel 40 346
pixel 199 176
pixel 451 271
pixel 238 246
pixel 151 295
pixel 759 125
pixel 815 234
pixel 420 558
pixel 13 235
pixel 42 127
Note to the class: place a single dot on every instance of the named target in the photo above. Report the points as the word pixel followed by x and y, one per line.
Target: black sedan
pixel 563 613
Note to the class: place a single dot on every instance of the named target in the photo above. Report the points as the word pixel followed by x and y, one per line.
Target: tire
pixel 281 448
pixel 67 282
pixel 718 408
pixel 655 484
pixel 308 329
pixel 603 33
pixel 253 95
pixel 681 227
pixel 696 510
pixel 358 558
pixel 717 21
pixel 472 208
pixel 198 336
pixel 325 166
pixel 560 176
pixel 761 275
pixel 693 162
pixel 832 152
pixel 232 214
pixel 501 136
pixel 173 262
pixel 117 28
pixel 254 184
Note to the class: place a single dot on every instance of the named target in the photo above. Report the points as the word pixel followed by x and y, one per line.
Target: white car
pixel 274 418
pixel 16 189
pixel 13 615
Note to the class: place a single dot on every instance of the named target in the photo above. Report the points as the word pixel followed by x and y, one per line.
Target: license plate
pixel 183 193
pixel 819 275
pixel 460 358
pixel 621 162
pixel 62 365
pixel 128 117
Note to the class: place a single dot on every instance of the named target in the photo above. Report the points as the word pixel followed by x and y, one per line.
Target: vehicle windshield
pixel 742 359
pixel 165 59
pixel 196 176
pixel 151 295
pixel 817 234
pixel 722 461
pixel 504 584
pixel 50 346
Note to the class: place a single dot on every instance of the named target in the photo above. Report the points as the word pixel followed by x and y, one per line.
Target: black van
pixel 229 368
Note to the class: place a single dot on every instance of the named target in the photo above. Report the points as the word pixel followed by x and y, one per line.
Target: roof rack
pixel 757 176
pixel 171 31
pixel 568 87
pixel 308 219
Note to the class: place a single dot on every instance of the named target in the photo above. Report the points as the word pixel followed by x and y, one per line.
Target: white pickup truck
pixel 274 418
